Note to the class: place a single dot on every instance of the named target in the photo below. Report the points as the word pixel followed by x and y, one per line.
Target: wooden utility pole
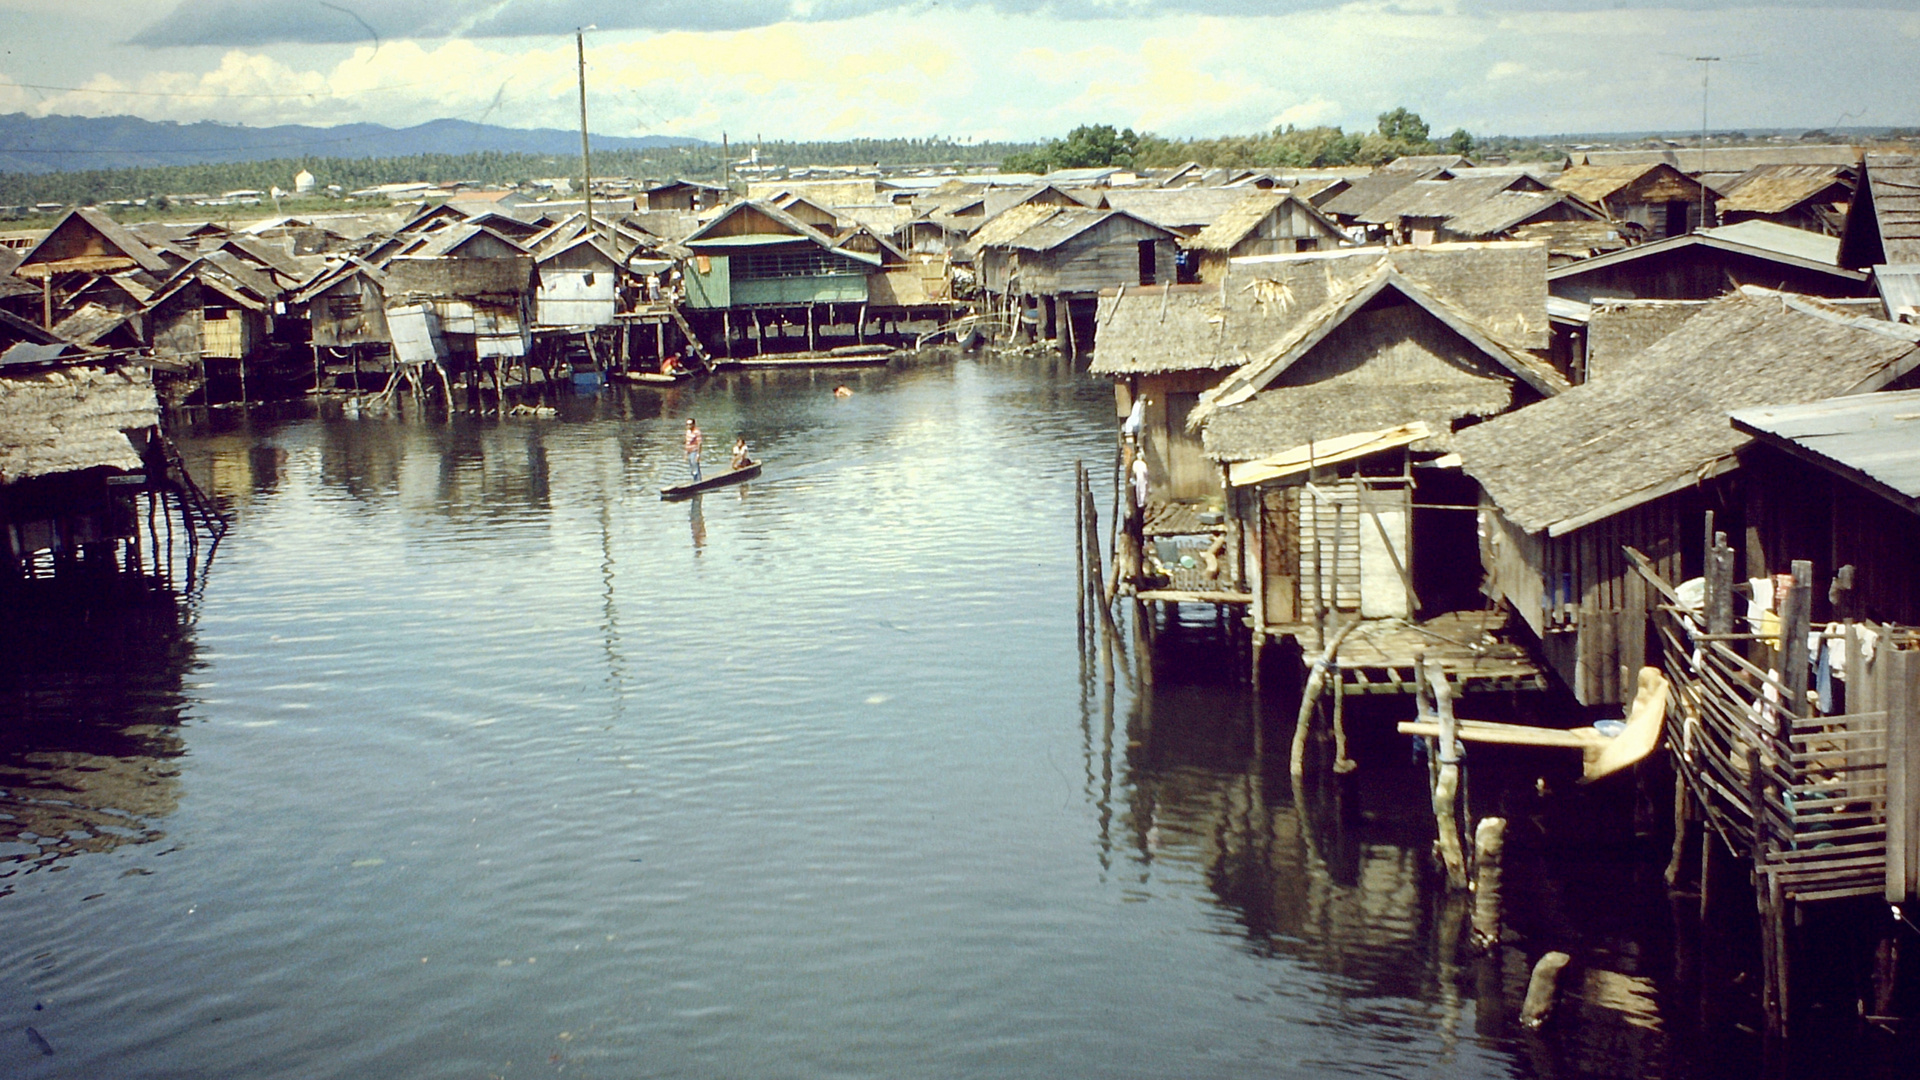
pixel 586 167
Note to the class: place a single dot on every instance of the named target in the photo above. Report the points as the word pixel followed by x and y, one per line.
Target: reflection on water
pixel 90 706
pixel 499 765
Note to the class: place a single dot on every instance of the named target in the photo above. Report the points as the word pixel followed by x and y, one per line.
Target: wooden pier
pixel 1378 657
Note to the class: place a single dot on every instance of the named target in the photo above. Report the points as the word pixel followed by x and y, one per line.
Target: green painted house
pixel 758 255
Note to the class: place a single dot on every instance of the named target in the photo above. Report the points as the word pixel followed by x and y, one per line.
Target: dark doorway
pixel 1147 261
pixel 1446 541
pixel 1677 218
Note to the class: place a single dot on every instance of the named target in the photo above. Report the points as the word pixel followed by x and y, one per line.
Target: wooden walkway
pixel 1471 646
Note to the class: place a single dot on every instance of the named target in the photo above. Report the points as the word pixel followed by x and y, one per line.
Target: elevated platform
pixel 1471 646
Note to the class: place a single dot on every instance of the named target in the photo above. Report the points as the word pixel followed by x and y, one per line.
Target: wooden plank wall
pixel 1336 522
pixel 1599 656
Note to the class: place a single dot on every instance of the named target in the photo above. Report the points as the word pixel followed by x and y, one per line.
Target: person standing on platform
pixel 693 449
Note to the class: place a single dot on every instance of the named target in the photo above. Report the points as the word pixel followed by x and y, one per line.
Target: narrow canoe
pixel 745 472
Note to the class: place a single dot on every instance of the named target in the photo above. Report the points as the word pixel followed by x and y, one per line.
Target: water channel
pixel 473 758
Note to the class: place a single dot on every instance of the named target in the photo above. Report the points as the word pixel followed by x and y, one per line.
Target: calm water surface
pixel 476 759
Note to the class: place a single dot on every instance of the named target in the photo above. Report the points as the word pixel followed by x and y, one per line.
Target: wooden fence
pixel 1820 789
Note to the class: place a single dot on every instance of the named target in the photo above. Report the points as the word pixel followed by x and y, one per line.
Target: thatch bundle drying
pixel 72 418
pixel 1661 421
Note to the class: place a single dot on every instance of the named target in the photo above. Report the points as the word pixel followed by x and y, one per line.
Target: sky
pixel 970 69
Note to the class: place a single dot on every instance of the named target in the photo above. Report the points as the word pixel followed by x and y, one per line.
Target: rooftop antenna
pixel 586 168
pixel 1706 72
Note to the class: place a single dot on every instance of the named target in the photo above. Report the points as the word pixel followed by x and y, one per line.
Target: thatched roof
pixel 67 247
pixel 1167 328
pixel 1660 424
pixel 89 323
pixel 1299 343
pixel 1619 332
pixel 1180 209
pixel 1598 183
pixel 1506 210
pixel 1245 216
pixel 1043 228
pixel 1775 189
pixel 1501 286
pixel 1727 159
pixel 1445 198
pixel 1283 417
pixel 71 418
pixel 328 279
pixel 1363 193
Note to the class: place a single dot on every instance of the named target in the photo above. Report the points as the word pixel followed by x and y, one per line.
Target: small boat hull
pixel 650 378
pixel 733 476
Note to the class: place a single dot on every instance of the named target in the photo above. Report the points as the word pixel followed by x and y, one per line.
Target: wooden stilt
pixel 1541 988
pixel 1447 786
pixel 1706 869
pixel 1489 839
pixel 1675 861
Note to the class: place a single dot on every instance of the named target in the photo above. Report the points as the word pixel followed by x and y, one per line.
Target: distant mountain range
pixel 44 144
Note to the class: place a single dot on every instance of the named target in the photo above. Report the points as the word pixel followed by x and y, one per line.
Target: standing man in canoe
pixel 693 449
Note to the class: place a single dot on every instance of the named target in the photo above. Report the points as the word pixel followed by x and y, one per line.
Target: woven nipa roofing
pixel 1661 423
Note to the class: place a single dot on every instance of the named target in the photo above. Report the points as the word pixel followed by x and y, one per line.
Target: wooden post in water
pixel 1080 548
pixel 1541 988
pixel 1489 838
pixel 1447 786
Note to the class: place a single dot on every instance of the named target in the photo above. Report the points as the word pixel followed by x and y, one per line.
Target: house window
pixel 1147 262
pixel 1307 243
pixel 810 261
pixel 346 307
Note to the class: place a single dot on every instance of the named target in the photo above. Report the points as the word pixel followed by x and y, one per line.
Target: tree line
pixel 700 162
pixel 1397 133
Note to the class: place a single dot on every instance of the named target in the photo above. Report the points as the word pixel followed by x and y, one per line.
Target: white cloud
pixel 985 73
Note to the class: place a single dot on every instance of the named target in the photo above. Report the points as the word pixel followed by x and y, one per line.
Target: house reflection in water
pixel 90 710
pixel 1335 878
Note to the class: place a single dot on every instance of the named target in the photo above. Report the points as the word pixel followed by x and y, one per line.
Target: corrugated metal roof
pixel 28 354
pixel 1899 285
pixel 1872 439
pixel 1784 239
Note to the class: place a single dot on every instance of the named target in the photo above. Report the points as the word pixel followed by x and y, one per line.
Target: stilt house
pixel 71 424
pixel 1331 436
pixel 1261 223
pixel 1638 458
pixel 1657 197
